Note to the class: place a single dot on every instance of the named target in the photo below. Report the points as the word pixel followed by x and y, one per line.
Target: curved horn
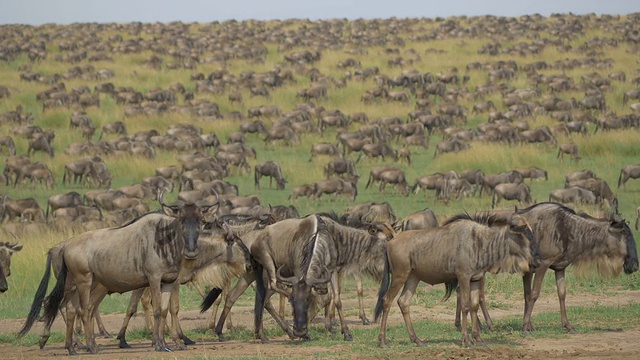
pixel 323 280
pixel 285 280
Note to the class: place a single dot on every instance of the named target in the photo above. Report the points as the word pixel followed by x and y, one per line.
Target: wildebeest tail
pixel 38 298
pixel 384 287
pixel 493 199
pixel 208 300
pixel 619 179
pixel 449 288
pixel 261 293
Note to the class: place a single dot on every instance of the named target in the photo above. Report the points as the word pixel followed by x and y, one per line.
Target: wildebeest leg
pixel 280 321
pixel 363 316
pixel 562 295
pixel 233 295
pixel 83 285
pixel 102 331
pixel 174 307
pixel 397 281
pixel 136 295
pixel 465 299
pixel 216 306
pixel 335 288
pixel 158 320
pixel 483 306
pixel 70 319
pixel 281 305
pixel 474 297
pixel 534 294
pixel 404 302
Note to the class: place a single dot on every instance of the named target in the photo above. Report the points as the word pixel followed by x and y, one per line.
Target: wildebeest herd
pixel 217 231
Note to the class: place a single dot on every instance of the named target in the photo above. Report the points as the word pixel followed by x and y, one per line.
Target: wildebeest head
pixel 620 229
pixel 189 217
pixel 301 297
pixel 525 238
pixel 6 250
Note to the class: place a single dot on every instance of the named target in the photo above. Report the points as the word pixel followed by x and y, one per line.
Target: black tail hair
pixel 38 299
pixel 261 293
pixel 211 297
pixel 54 300
pixel 449 286
pixel 384 287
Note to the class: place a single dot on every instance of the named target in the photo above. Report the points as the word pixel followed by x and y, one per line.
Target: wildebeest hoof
pixel 221 338
pixel 348 337
pixel 306 338
pixel 124 345
pixel 188 341
pixel 366 322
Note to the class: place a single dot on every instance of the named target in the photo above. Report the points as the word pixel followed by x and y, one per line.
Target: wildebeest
pixel 370 212
pixel 539 134
pixel 376 172
pixel 282 133
pixel 511 191
pixel 305 190
pixel 599 187
pixel 10 209
pixel 458 253
pixel 579 175
pixel 336 186
pixel 570 149
pixel 380 149
pixel 534 172
pixel 63 200
pixel 40 142
pixel 422 219
pixel 340 167
pixel 270 169
pixel 566 238
pixel 447 146
pixel 6 251
pixel 574 194
pixel 7 141
pixel 149 251
pixel 326 149
pixel 397 178
pixel 491 180
pixel 628 172
pixel 309 253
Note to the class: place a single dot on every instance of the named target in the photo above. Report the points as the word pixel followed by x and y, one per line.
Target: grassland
pixel 605 152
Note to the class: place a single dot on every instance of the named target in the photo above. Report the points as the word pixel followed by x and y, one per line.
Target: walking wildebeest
pixel 149 251
pixel 511 191
pixel 628 172
pixel 397 178
pixel 458 253
pixel 335 186
pixel 63 200
pixel 566 238
pixel 6 250
pixel 272 170
pixel 533 172
pixel 340 167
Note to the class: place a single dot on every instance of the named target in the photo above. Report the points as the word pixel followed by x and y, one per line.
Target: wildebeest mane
pixel 137 219
pixel 310 246
pixel 483 218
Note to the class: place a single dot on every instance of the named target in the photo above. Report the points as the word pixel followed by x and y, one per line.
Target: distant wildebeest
pixel 422 219
pixel 447 146
pixel 325 149
pixel 380 149
pixel 491 180
pixel 578 175
pixel 305 190
pixel 41 142
pixel 539 134
pixel 340 167
pixel 7 142
pixel 397 178
pixel 599 187
pixel 6 251
pixel 282 133
pixel 376 172
pixel 253 127
pixel 336 186
pixel 534 173
pixel 370 212
pixel 570 149
pixel 103 261
pixel 63 200
pixel 566 238
pixel 574 194
pixel 474 177
pixel 628 172
pixel 511 191
pixel 272 170
pixel 117 127
pixel 454 254
pixel 10 209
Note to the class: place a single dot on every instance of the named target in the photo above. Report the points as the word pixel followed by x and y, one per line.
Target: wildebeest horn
pixel 286 280
pixel 323 280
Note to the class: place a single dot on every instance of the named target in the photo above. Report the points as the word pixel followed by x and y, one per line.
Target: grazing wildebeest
pixel 458 253
pixel 272 170
pixel 336 186
pixel 574 194
pixel 628 172
pixel 534 172
pixel 539 134
pixel 42 143
pixel 370 212
pixel 79 169
pixel 566 238
pixel 491 180
pixel 570 149
pixel 313 252
pixel 579 175
pixel 149 251
pixel 374 174
pixel 6 250
pixel 511 191
pixel 340 167
pixel 253 127
pixel 117 127
pixel 380 149
pixel 599 187
pixel 282 133
pixel 474 177
pixel 423 219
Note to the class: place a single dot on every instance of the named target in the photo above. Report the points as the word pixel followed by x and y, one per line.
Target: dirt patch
pixel 602 345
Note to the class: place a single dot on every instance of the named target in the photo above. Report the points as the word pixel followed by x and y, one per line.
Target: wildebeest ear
pixel 321 289
pixel 170 210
